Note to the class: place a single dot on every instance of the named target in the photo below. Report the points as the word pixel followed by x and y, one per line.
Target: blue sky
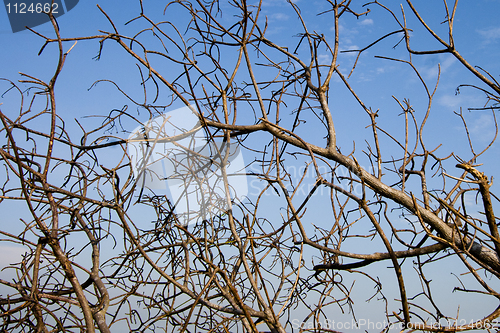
pixel 476 35
pixel 477 38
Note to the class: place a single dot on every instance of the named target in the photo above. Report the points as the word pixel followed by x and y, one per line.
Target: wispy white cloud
pixel 451 101
pixel 483 127
pixel 465 99
pixel 279 16
pixel 273 3
pixel 324 59
pixel 490 35
pixel 347 47
pixel 342 28
pixel 366 22
pixel 480 124
pixel 447 63
pixel 431 72
pixel 275 17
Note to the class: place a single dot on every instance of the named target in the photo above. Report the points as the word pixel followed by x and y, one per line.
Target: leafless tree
pixel 94 261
